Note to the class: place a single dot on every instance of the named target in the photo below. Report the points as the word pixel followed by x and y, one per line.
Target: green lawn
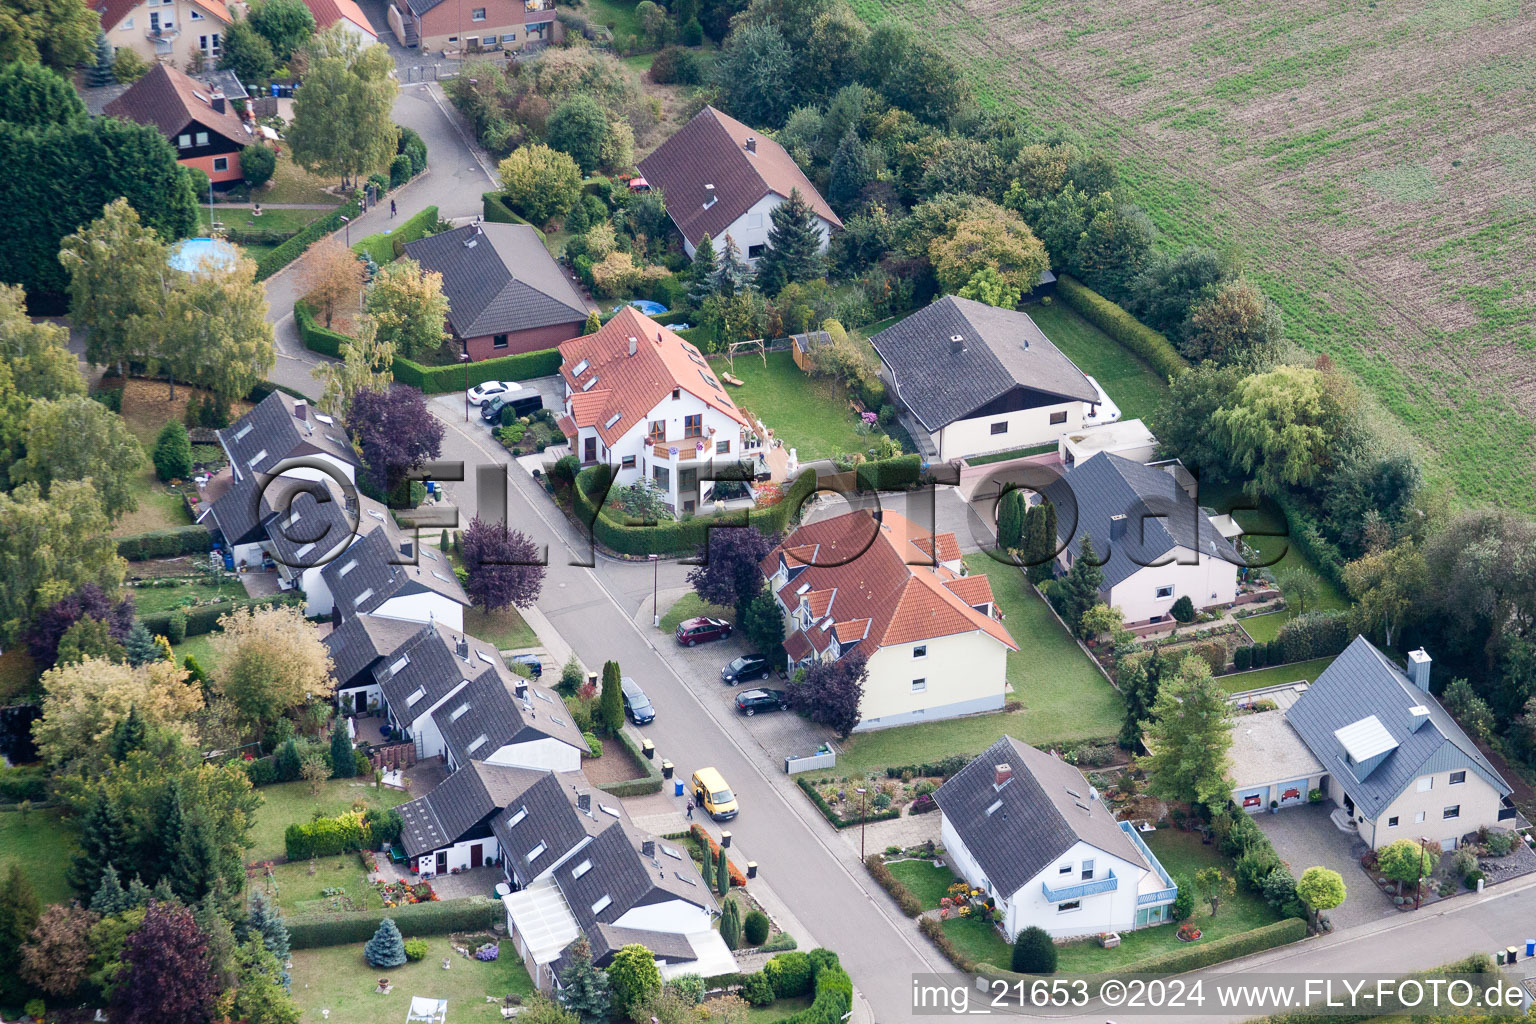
pixel 1012 453
pixel 691 606
pixel 1237 682
pixel 337 979
pixel 779 1009
pixel 1265 627
pixel 41 843
pixel 1065 697
pixel 290 802
pixel 292 184
pixel 1182 855
pixel 505 630
pixel 1278 551
pixel 810 414
pixel 152 600
pixel 1133 385
pixel 160 508
pixel 979 941
pixel 928 883
pixel 240 218
pixel 201 648
pixel 618 15
pixel 299 892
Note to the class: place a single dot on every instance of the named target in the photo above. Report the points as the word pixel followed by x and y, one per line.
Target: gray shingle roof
pixel 305 520
pixel 461 802
pixel 1108 485
pixel 428 663
pixel 551 826
pixel 1045 809
pixel 489 707
pixel 272 428
pixel 369 573
pixel 237 512
pixel 628 878
pixel 505 282
pixel 359 642
pixel 1362 682
pixel 1004 350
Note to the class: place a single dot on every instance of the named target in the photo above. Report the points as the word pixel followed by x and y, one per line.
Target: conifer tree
pixel 730 924
pixel 109 898
pixel 264 921
pixel 103 843
pixel 387 947
pixel 852 168
pixel 584 988
pixel 794 246
pixel 704 266
pixel 220 934
pixel 593 325
pixel 1079 589
pixel 162 844
pixel 19 912
pixel 138 893
pixel 1011 512
pixel 343 764
pixel 101 71
pixel 196 864
pixel 128 735
pixel 723 873
pixel 611 703
pixel 141 646
pixel 288 763
pixel 1040 542
pixel 163 893
pixel 731 273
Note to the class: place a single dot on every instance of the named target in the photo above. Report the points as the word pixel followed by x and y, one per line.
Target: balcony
pixel 166 33
pixel 1077 892
pixel 1169 890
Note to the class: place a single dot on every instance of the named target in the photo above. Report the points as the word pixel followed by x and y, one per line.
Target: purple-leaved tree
pixel 167 974
pixel 831 691
pixel 90 600
pixel 396 431
pixel 730 574
pixel 503 566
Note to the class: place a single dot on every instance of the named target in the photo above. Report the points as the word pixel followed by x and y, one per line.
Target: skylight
pixel 360 598
pixel 458 712
pixel 580 368
pixel 400 663
pixel 609 810
pixel 376 514
pixel 440 576
pixel 611 420
pixel 243 431
pixel 707 379
pixel 522 812
pixel 602 904
pixel 588 385
pixel 306 549
pixel 582 868
pixel 556 719
pixel 537 852
pixel 258 457
pixel 996 806
pixel 485 657
pixel 323 418
pixel 416 695
pixel 428 552
pixel 479 741
pixel 546 699
pixel 348 567
pixel 671 853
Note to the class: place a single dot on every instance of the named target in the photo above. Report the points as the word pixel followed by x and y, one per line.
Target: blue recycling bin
pixel 1530 947
pixel 274 88
pixel 677 787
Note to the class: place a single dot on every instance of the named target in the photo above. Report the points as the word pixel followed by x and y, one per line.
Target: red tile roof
pixel 949 547
pixel 711 149
pixel 613 383
pixel 329 12
pixel 169 100
pixel 879 592
pixel 114 11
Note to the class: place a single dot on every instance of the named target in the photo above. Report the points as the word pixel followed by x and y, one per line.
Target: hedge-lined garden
pixel 645 784
pixel 477 913
pixel 292 249
pixel 205 618
pixel 182 540
pixel 1121 326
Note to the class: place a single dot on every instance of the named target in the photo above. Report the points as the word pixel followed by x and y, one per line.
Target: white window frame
pixel 1418 819
pixel 1000 427
pixel 1164 592
pixel 920 685
pixel 221 160
pixel 184 141
pixel 1069 906
pixel 1087 875
pixel 1453 811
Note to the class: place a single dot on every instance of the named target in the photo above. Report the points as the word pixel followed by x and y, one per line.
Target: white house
pixel 644 402
pixel 393 578
pixel 345 13
pixel 721 178
pixel 932 638
pixel 974 378
pixel 1153 540
pixel 1028 830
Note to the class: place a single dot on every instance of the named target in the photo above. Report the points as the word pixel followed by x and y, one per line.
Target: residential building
pixel 1380 748
pixel 475 26
pixel 1154 541
pixel 1027 829
pixel 880 586
pixel 357 647
pixel 198 120
pixel 721 178
pixel 172 31
pixel 505 293
pixel 1129 439
pixel 642 400
pixel 975 379
pixel 345 13
pixel 383 575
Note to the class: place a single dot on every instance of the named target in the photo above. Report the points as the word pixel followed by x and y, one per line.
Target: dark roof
pixel 1003 350
pixel 359 642
pixel 551 825
pixel 711 150
pixel 460 802
pixel 489 707
pixel 272 432
pixel 1045 808
pixel 1362 682
pixel 238 510
pixel 369 573
pixel 430 663
pixel 305 520
pixel 628 878
pixel 498 278
pixel 169 100
pixel 1108 485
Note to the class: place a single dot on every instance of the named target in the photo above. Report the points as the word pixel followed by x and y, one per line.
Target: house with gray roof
pixel 1382 749
pixel 1028 830
pixel 973 378
pixel 1154 542
pixel 389 575
pixel 505 293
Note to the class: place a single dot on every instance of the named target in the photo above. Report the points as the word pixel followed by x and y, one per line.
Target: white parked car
pixel 483 394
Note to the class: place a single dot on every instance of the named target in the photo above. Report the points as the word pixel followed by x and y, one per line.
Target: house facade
pixel 933 641
pixel 481 27
pixel 347 14
pixel 1382 750
pixel 643 401
pixel 721 178
pixel 1028 830
pixel 1155 544
pixel 505 293
pixel 974 379
pixel 173 31
pixel 197 119
pixel 385 575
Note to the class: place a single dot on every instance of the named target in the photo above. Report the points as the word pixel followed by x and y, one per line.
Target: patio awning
pixel 544 920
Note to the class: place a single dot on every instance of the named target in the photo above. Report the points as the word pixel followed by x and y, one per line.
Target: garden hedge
pixel 494 206
pixel 1318 634
pixel 1121 326
pixel 412 230
pixel 649 783
pixel 326 837
pixel 833 1002
pixel 898 474
pixel 18 784
pixel 910 905
pixel 205 618
pixel 475 914
pixel 292 249
pixel 837 820
pixel 703 838
pixel 315 337
pixel 1307 535
pixel 182 540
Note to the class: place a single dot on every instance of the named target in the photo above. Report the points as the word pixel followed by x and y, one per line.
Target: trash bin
pixel 677 787
pixel 274 90
pixel 666 770
pixel 1530 947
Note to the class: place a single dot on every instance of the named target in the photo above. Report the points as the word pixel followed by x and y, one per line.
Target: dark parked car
pixel 702 630
pixel 526 406
pixel 753 701
pixel 535 666
pixel 744 669
pixel 637 706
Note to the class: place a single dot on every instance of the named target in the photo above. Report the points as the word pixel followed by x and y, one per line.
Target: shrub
pixel 790 974
pixel 476 914
pixel 1310 635
pixel 1501 842
pixel 1121 326
pixel 755 928
pixel 1183 609
pixel 1034 952
pixel 176 626
pixel 324 837
pixel 18 784
pixel 1242 659
pixel 257 163
pixel 1196 955
pixel 909 904
pixel 399 170
pixel 757 989
pixel 409 143
pixel 896 474
pixel 837 820
pixel 1255 865
pixel 1184 901
pixel 594 745
pixel 173 452
pixel 261 771
pixel 415 949
pixel 292 249
pixel 931 927
pixel 182 540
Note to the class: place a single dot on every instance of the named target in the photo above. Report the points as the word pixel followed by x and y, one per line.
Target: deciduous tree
pixel 331 278
pixel 632 977
pixel 1235 323
pixel 728 570
pixel 1405 861
pixel 167 977
pixel 90 601
pixel 366 365
pixel 260 993
pixel 217 335
pixel 77 439
pixel 19 913
pixel 752 71
pixel 396 432
pixel 342 118
pixel 285 24
pixel 1215 885
pixel 119 276
pixel 831 691
pixel 1002 243
pixel 578 128
pixel 271 661
pixel 49 548
pixel 83 703
pixel 57 954
pixel 31 94
pixel 542 183
pixel 504 566
pixel 1189 736
pixel 1283 426
pixel 247 52
pixel 55 33
pixel 1320 889
pixel 408 308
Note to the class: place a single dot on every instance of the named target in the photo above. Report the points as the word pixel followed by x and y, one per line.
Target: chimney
pixel 300 409
pixel 462 649
pixel 1001 773
pixel 751 143
pixel 648 849
pixel 634 345
pixel 216 101
pixel 521 689
pixel 1418 669
pixel 956 343
pixel 584 803
pixel 407 549
pixel 1116 527
pixel 1419 714
pixel 709 196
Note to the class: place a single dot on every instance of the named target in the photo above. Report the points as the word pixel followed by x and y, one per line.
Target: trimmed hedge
pixel 414 227
pixel 703 838
pixel 683 536
pixel 1319 634
pixel 205 618
pixel 898 474
pixel 1121 326
pixel 315 337
pixel 834 999
pixel 650 782
pixel 910 905
pixel 494 206
pixel 475 914
pixel 437 380
pixel 292 249
pixel 1308 537
pixel 325 837
pixel 837 820
pixel 183 540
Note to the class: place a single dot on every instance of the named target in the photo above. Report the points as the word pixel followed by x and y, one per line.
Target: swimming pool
pixel 645 306
pixel 203 253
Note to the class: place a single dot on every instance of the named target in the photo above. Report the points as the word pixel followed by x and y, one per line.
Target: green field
pixel 1065 697
pixel 285 803
pixel 1133 385
pixel 1370 166
pixel 42 844
pixel 1237 682
pixel 809 414
pixel 336 979
pixel 201 648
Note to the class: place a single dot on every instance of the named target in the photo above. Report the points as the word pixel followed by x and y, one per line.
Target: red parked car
pixel 702 630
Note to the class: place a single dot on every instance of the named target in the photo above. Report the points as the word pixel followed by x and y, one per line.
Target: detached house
pixel 345 13
pixel 505 293
pixel 198 120
pixel 932 638
pixel 475 27
pixel 642 400
pixel 166 30
pixel 721 178
pixel 974 379
pixel 1028 830
pixel 1155 542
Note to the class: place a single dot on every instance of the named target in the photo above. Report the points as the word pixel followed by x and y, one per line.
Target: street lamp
pixel 348 222
pixel 863 816
pixel 464 358
pixel 655 581
pixel 1418 897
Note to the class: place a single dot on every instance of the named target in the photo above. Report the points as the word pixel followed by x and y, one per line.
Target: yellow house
pixel 168 31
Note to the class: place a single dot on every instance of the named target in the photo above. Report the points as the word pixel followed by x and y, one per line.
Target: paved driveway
pixel 1306 836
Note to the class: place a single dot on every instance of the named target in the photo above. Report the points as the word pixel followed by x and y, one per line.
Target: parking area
pixel 1305 837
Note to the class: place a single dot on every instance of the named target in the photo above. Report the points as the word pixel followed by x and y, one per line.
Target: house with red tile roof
pixel 197 119
pixel 722 178
pixel 345 13
pixel 644 401
pixel 881 586
pixel 173 31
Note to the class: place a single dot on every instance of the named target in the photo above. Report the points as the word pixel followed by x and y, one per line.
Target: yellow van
pixel 712 794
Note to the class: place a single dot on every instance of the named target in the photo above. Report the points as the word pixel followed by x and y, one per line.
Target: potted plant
pixel 1314 796
pixel 1274 807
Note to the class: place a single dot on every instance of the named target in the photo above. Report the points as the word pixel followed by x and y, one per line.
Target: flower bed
pixel 884 798
pixel 402 894
pixel 703 838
